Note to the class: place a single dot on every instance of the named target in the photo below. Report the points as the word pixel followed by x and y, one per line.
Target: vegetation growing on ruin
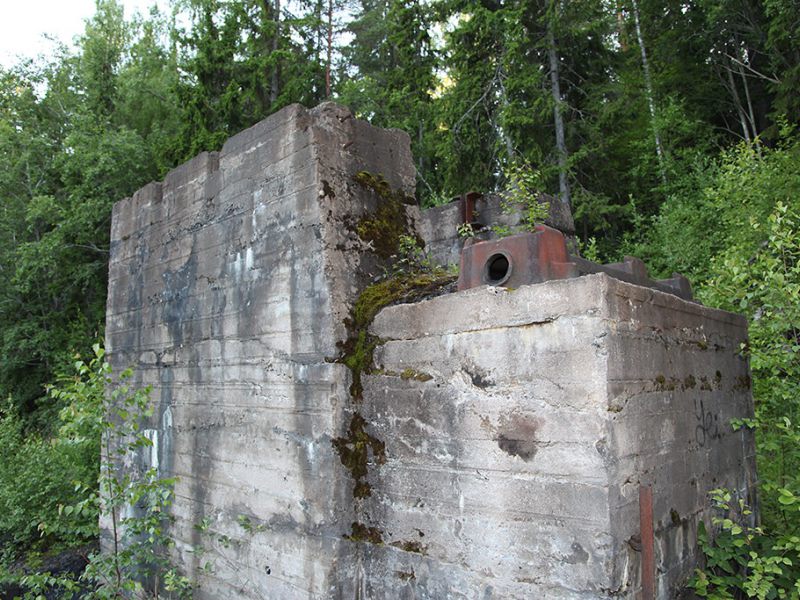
pixel 409 276
pixel 411 546
pixel 363 533
pixel 398 289
pixel 385 228
pixel 687 158
pixel 405 287
pixel 356 450
pixel 415 375
pixel 523 195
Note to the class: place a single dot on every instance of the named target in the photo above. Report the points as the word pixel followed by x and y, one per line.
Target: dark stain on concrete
pixel 579 556
pixel 479 379
pixel 178 287
pixel 517 437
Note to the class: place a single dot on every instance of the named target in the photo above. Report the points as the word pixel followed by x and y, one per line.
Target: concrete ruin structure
pixel 489 443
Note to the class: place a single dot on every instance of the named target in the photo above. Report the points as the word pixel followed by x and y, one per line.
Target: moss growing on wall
pixel 383 229
pixel 357 354
pixel 415 375
pixel 363 533
pixel 355 450
pixel 358 349
pixel 406 287
pixel 377 183
pixel 387 232
pixel 410 546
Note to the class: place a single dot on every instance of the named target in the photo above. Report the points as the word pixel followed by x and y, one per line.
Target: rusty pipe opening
pixel 497 269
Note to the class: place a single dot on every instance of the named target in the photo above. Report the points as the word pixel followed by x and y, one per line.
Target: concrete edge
pixel 489 307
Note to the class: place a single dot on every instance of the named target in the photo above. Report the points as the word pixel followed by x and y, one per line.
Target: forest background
pixel 667 125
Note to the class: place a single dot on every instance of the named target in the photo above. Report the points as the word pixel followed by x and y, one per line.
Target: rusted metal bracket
pixel 467 206
pixel 543 255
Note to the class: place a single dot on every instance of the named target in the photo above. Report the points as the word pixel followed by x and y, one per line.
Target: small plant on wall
pixel 523 185
pixel 134 502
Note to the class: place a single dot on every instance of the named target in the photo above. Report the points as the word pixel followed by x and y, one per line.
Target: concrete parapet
pixel 231 284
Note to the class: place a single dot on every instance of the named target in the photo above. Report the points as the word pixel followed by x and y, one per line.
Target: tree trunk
pixel 738 104
pixel 623 38
pixel 330 51
pixel 512 155
pixel 750 112
pixel 648 85
pixel 555 88
pixel 275 80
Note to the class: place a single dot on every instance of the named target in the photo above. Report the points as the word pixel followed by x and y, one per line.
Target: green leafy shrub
pixel 37 476
pixel 744 561
pixel 765 285
pixel 763 281
pixel 524 183
pixel 102 417
pixel 710 208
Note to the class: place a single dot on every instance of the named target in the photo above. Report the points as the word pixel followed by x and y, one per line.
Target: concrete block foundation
pixel 547 407
pixel 501 437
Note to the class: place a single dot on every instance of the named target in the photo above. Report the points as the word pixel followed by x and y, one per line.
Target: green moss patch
pixel 415 375
pixel 384 228
pixel 358 350
pixel 363 533
pixel 406 287
pixel 358 450
pixel 410 546
pixel 357 356
pixel 354 451
pixel 377 184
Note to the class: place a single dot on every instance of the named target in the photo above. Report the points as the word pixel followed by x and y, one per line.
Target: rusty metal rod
pixel 648 542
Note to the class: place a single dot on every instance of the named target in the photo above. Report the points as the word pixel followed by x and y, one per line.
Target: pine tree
pixel 390 75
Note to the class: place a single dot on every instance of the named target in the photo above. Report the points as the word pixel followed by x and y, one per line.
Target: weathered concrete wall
pixel 501 437
pixel 230 284
pixel 521 457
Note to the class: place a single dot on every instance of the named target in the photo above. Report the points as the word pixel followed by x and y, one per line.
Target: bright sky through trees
pixel 25 25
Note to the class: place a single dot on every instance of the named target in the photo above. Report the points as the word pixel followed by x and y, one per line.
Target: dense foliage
pixel 748 261
pixel 100 425
pixel 667 126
